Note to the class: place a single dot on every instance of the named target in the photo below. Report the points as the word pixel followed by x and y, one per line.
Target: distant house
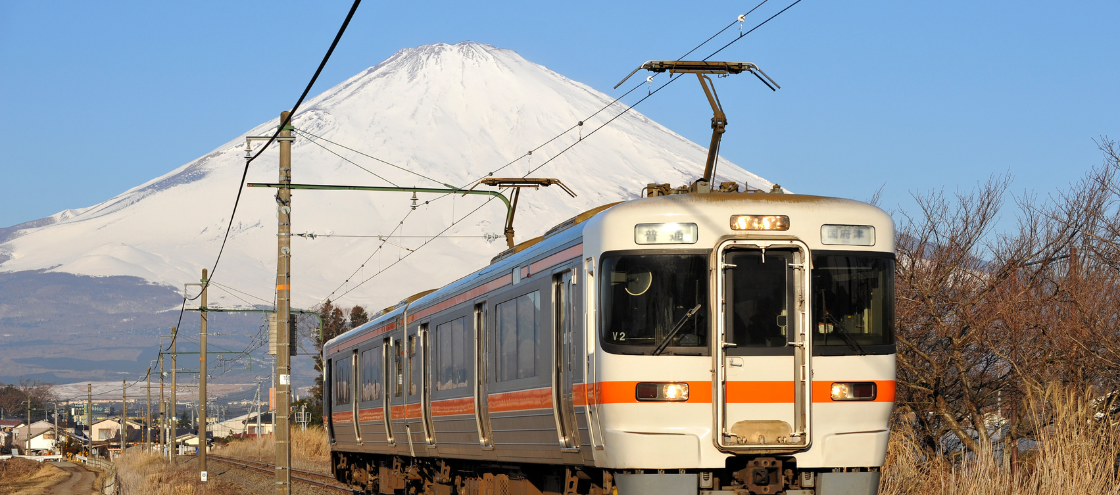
pixel 110 430
pixel 191 440
pixel 21 432
pixel 243 425
pixel 43 441
pixel 8 424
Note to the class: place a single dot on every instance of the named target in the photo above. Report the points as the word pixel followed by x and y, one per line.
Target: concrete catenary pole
pixel 283 313
pixel 174 410
pixel 162 407
pixel 148 417
pixel 27 431
pixel 124 413
pixel 89 419
pixel 202 381
pixel 258 404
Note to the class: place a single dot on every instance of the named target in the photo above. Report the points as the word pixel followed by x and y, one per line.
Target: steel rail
pixel 303 476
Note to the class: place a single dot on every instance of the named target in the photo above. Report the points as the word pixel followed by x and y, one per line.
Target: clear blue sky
pixel 101 96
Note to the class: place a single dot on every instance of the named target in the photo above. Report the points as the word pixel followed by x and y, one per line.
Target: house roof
pixel 36 429
pixel 117 421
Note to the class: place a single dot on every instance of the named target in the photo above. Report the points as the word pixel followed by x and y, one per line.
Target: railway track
pixel 316 479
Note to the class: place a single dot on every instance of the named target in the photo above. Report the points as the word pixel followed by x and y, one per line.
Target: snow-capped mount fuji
pixel 450 112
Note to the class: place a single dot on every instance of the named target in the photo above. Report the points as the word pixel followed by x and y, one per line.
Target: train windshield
pixel 648 298
pixel 853 302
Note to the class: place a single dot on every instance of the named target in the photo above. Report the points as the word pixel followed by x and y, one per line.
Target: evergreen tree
pixel 358 316
pixel 335 323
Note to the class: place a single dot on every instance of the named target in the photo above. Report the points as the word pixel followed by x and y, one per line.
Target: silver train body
pixel 692 343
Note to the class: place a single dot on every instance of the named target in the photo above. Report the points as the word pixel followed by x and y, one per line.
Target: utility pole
pixel 283 313
pixel 28 451
pixel 124 413
pixel 148 418
pixel 174 410
pixel 56 427
pixel 257 401
pixel 272 393
pixel 89 419
pixel 202 381
pixel 162 406
pixel 169 429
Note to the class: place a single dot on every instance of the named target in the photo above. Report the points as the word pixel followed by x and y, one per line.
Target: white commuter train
pixel 725 342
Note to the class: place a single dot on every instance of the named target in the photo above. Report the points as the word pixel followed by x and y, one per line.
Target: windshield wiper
pixel 845 335
pixel 676 328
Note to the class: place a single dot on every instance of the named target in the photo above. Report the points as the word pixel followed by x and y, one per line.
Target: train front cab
pixel 778 373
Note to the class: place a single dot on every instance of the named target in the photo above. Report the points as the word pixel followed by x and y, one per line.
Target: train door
pixel 342 406
pixel 481 399
pixel 762 347
pixel 413 421
pixel 387 387
pixel 328 399
pixel 355 394
pixel 426 385
pixel 397 402
pixel 591 375
pixel 562 380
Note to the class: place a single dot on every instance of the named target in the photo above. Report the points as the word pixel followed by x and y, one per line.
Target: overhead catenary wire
pixel 741 35
pixel 370 257
pixel 578 125
pixel 232 292
pixel 314 137
pixel 245 172
pixel 291 114
pixel 316 143
pixel 410 253
pixel 738 19
pixel 380 236
pixel 673 78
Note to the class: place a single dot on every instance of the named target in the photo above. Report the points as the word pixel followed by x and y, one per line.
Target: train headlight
pixel 664 392
pixel 759 222
pixel 853 391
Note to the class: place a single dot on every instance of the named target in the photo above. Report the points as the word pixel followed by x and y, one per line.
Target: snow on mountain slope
pixel 450 112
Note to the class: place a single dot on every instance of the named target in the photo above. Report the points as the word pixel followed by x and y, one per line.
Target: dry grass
pixel 17 468
pixel 26 477
pixel 150 474
pixel 310 451
pixel 1074 453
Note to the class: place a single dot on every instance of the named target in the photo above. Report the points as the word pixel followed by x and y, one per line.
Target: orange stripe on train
pixel 367 415
pixel 619 392
pixel 453 407
pixel 540 398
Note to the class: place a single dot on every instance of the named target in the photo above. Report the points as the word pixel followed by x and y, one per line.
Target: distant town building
pixel 100 412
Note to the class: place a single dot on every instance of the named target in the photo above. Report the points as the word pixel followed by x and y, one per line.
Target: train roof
pixel 567 234
pixel 556 239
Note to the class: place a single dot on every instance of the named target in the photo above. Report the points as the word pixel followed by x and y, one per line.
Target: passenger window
pixel 342 382
pixel 452 350
pixel 398 380
pixel 411 355
pixel 518 322
pixel 371 374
